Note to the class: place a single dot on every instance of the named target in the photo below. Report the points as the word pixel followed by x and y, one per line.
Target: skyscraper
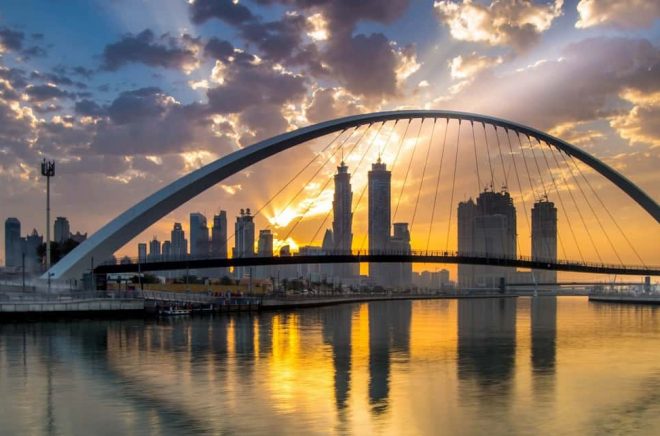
pixel 264 249
pixel 142 252
pixel 154 250
pixel 62 229
pixel 166 250
pixel 379 217
pixel 486 228
pixel 199 235
pixel 13 244
pixel 544 238
pixel 179 247
pixel 244 235
pixel 31 245
pixel 219 235
pixel 342 222
pixel 219 240
pixel 400 273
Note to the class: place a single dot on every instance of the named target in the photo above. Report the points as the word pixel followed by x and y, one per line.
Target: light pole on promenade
pixel 48 171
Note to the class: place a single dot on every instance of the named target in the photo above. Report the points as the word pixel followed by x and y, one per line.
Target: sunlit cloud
pixel 625 14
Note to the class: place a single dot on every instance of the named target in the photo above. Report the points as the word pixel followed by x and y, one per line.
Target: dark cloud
pixel 15 76
pixel 364 64
pixel 248 84
pixel 145 48
pixel 83 72
pixel 133 106
pixel 41 93
pixel 89 108
pixel 218 49
pixel 276 40
pixel 34 52
pixel 225 10
pixel 11 39
pixel 263 121
pixel 344 14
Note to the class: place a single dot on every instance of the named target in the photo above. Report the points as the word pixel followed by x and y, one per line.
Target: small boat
pixel 175 311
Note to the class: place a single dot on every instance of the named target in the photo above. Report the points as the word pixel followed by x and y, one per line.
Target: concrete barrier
pixel 85 305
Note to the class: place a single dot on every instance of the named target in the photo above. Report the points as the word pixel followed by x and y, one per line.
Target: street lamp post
pixel 48 171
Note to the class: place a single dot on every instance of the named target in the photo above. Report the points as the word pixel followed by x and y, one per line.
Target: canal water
pixel 488 366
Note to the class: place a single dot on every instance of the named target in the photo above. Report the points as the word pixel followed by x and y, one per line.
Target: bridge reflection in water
pixel 468 365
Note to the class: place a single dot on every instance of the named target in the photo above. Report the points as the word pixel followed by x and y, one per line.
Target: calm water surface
pixel 491 366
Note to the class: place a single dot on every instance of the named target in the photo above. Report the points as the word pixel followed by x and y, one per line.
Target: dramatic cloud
pixel 465 67
pixel 624 14
pixel 330 103
pixel 41 93
pixel 583 85
pixel 642 123
pixel 246 84
pixel 517 23
pixel 229 11
pixel 145 48
pixel 10 39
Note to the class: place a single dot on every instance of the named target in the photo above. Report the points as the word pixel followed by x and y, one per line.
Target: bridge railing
pixel 360 253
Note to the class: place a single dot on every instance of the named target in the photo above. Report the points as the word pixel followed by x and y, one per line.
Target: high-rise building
pixel 31 245
pixel 379 217
pixel 142 252
pixel 219 241
pixel 342 222
pixel 154 250
pixel 62 229
pixel 244 236
pixel 199 235
pixel 166 250
pixel 264 249
pixel 78 237
pixel 486 228
pixel 13 244
pixel 544 238
pixel 400 273
pixel 327 269
pixel 219 235
pixel 179 243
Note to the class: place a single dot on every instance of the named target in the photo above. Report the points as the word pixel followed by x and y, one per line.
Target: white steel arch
pixel 102 244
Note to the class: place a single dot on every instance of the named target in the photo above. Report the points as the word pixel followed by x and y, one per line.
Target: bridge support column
pixel 502 285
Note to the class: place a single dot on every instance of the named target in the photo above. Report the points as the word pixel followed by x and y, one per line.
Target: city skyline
pixel 431 64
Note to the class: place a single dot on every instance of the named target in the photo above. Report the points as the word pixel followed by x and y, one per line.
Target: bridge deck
pixel 202 263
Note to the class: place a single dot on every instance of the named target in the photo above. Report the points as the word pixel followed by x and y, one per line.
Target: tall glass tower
pixel 380 181
pixel 342 223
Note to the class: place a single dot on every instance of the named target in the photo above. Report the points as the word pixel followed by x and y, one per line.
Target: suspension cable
pixel 421 183
pixel 499 148
pixel 300 217
pixel 405 179
pixel 554 184
pixel 570 226
pixel 437 184
pixel 396 158
pixel 453 185
pixel 520 187
pixel 355 170
pixel 608 212
pixel 316 156
pixel 476 161
pixel 600 224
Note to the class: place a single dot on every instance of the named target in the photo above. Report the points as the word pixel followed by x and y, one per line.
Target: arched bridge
pixel 102 244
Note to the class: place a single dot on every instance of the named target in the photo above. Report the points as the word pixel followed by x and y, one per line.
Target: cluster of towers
pixel 487 228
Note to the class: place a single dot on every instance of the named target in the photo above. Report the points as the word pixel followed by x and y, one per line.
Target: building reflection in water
pixel 389 336
pixel 336 323
pixel 544 338
pixel 486 344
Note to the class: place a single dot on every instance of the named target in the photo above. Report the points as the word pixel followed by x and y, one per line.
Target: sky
pixel 128 96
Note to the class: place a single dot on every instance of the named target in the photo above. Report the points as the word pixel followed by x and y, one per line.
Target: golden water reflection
pixel 495 366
